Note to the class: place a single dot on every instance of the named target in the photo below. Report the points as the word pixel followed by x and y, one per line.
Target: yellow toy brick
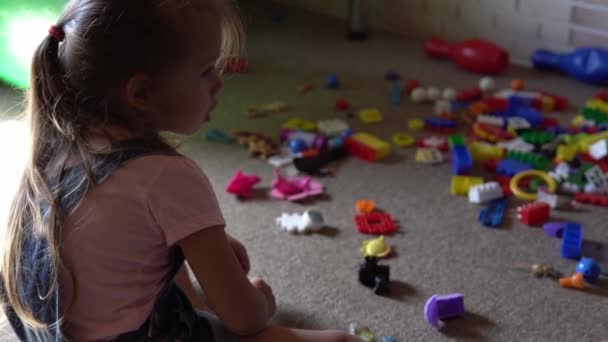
pixel 415 124
pixel 380 147
pixel 370 115
pixel 585 142
pixel 483 152
pixel 402 139
pixel 577 121
pixel 300 124
pixel 461 184
pixel 598 104
pixel 547 103
pixel 567 153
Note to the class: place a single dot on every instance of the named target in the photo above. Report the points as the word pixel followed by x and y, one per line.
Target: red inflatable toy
pixel 474 55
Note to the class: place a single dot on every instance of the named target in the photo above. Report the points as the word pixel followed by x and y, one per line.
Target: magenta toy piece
pixel 443 306
pixel 241 184
pixel 294 188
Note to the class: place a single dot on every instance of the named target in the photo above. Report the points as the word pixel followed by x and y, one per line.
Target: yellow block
pixel 300 124
pixel 415 124
pixel 381 147
pixel 461 184
pixel 402 139
pixel 548 103
pixel 598 104
pixel 584 143
pixel 577 121
pixel 566 153
pixel 483 152
pixel 370 115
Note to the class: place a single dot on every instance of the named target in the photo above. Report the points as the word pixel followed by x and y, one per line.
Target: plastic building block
pixel 297 146
pixel 437 142
pixel 376 248
pixel 433 93
pixel 487 84
pixel 588 65
pixel 265 109
pixel 537 137
pixel 542 195
pixel 312 140
pixel 517 144
pixel 593 199
pixel 576 281
pixel 462 162
pixel 367 147
pixel 440 125
pixel 375 223
pixel 460 185
pixel 214 134
pixel 482 152
pixel 332 81
pixel 374 276
pixel 522 110
pixel 467 95
pixel 492 216
pixel 597 180
pixel 303 88
pixel 315 165
pixel 418 95
pixel 429 156
pixel 309 221
pixel 572 241
pixel 485 192
pixel 242 185
pixel 599 149
pixel 370 115
pixel 510 167
pixel 533 214
pixel 440 307
pixel 388 339
pixel 342 104
pixel 491 120
pixel 554 229
pixel 490 133
pixel 415 124
pixel 300 124
pixel 364 206
pixel 402 139
pixel 294 188
pixel 590 270
pixel 566 153
pixel 538 162
pixel 332 127
pixel 456 140
pixel 236 65
pixel 395 94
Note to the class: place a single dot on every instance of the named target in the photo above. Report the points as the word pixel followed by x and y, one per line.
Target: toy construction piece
pixel 376 248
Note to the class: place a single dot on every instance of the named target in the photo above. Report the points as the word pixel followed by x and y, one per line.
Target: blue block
pixel 456 106
pixel 511 167
pixel 572 241
pixel 533 116
pixel 492 215
pixel 462 162
pixel 439 123
pixel 395 93
pixel 332 81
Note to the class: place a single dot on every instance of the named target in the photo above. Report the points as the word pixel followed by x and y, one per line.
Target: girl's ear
pixel 138 92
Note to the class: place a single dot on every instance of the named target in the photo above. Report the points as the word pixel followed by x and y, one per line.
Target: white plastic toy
pixel 487 84
pixel 491 120
pixel 332 127
pixel 547 197
pixel 599 150
pixel 309 221
pixel 449 94
pixel 485 192
pixel 517 144
pixel 442 106
pixel 433 94
pixel 418 95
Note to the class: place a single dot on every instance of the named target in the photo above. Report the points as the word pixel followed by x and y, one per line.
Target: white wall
pixel 520 26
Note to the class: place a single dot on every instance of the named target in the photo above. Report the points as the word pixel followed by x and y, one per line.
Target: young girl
pixel 107 211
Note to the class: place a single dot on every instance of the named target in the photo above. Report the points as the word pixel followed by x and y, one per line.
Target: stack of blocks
pixel 462 162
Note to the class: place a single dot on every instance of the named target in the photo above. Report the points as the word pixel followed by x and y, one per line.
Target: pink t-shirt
pixel 117 242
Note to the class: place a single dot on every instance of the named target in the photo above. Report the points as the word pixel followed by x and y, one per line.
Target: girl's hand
pixel 241 253
pixel 261 286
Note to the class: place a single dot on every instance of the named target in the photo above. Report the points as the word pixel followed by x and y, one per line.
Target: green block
pixel 537 161
pixel 456 140
pixel 538 137
pixel 594 115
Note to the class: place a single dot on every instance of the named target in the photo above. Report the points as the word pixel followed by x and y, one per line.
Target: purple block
pixel 443 306
pixel 554 229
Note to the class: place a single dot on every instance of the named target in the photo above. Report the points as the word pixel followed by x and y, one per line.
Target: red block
pixel 360 150
pixel 533 214
pixel 342 104
pixel 593 199
pixel 467 95
pixel 411 85
pixel 375 223
pixel 504 184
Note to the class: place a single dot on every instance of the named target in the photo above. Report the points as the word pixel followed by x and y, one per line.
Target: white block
pixel 518 123
pixel 491 120
pixel 310 220
pixel 560 172
pixel 599 150
pixel 517 144
pixel 547 197
pixel 332 126
pixel 485 192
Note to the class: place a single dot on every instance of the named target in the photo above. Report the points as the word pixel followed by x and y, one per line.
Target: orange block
pixel 364 206
pixel 575 282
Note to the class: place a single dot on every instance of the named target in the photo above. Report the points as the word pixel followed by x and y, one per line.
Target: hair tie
pixel 57 33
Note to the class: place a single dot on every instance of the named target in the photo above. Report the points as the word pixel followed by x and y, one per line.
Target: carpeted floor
pixel 440 247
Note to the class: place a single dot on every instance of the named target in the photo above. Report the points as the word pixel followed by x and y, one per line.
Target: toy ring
pixel 519 193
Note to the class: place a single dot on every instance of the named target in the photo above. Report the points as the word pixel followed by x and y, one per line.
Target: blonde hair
pixel 72 90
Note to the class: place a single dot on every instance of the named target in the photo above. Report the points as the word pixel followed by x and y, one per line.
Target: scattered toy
pixel 364 206
pixel 295 188
pixel 257 144
pixel 441 307
pixel 375 223
pixel 376 248
pixel 266 109
pixel 309 221
pixel 374 276
pixel 493 215
pixel 541 271
pixel 242 185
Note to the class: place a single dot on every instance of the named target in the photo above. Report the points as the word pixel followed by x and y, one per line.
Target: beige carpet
pixel 440 247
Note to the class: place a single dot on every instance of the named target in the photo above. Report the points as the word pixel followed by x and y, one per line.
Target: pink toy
pixel 294 188
pixel 242 185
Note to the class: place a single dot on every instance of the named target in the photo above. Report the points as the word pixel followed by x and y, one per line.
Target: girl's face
pixel 184 95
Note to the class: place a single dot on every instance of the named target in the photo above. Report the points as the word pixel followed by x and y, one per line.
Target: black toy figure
pixel 374 276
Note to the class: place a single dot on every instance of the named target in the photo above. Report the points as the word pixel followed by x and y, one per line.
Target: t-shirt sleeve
pixel 182 201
